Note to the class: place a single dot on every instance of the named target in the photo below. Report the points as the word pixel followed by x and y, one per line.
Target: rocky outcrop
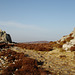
pixel 71 42
pixel 4 37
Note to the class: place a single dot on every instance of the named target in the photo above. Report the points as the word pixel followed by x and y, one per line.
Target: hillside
pixel 51 58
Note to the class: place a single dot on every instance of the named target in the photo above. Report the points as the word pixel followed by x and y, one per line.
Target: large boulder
pixel 4 37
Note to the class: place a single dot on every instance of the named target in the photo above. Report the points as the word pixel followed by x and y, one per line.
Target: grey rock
pixel 4 37
pixel 8 37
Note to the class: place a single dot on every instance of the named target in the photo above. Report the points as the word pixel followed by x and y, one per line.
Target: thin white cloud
pixel 22 32
pixel 22 26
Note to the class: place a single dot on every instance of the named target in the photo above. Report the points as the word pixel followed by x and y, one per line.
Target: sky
pixel 37 20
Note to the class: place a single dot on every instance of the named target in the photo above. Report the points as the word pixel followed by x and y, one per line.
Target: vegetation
pixel 72 48
pixel 19 64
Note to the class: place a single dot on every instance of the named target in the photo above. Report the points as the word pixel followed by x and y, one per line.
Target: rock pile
pixel 71 42
pixel 4 37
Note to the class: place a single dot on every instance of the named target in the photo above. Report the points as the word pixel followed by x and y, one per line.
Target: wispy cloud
pixel 23 32
pixel 20 25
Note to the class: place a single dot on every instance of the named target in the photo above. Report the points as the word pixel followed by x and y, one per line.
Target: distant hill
pixel 34 42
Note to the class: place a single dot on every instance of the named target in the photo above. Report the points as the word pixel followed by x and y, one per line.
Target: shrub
pixel 72 48
pixel 23 65
pixel 69 38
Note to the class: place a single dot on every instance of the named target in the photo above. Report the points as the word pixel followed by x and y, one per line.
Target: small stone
pixel 13 62
pixel 16 69
pixel 5 58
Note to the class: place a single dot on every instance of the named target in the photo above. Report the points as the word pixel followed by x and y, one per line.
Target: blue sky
pixel 37 20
